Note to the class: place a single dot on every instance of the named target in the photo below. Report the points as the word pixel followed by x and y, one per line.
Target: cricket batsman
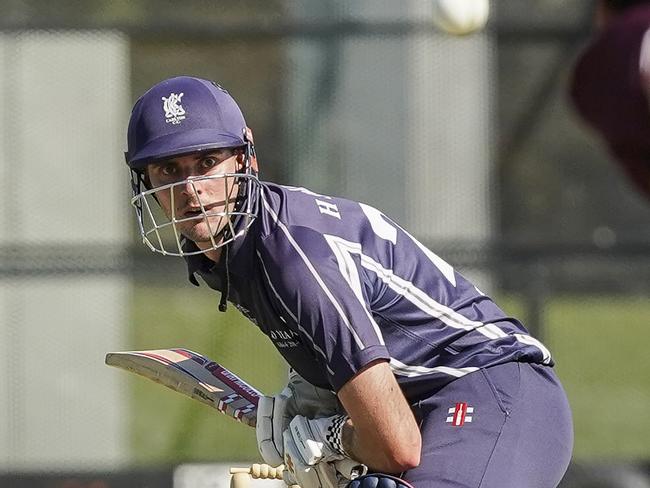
pixel 398 362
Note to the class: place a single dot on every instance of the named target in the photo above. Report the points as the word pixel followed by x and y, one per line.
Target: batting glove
pixel 274 413
pixel 272 420
pixel 311 449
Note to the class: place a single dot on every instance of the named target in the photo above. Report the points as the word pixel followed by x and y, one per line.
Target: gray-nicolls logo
pixel 174 111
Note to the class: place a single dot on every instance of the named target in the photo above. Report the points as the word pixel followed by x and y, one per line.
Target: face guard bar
pixel 235 214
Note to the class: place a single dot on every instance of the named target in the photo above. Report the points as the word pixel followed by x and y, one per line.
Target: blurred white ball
pixel 460 17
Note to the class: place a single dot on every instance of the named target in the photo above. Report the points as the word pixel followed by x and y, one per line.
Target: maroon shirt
pixel 608 91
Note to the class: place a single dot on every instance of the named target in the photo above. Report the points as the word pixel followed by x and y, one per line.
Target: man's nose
pixel 190 187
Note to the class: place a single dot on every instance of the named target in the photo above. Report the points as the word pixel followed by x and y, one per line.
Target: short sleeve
pixel 326 291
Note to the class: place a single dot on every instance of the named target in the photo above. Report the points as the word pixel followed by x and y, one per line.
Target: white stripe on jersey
pixel 350 272
pixel 644 55
pixel 401 369
pixel 418 297
pixel 305 191
pixel 445 268
pixel 531 341
pixel 291 314
pixel 311 269
pixel 379 226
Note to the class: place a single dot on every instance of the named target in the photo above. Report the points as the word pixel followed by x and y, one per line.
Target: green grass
pixel 601 349
pixel 599 345
pixel 167 427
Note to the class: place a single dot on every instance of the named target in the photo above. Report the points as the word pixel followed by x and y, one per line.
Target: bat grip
pixel 260 471
pixel 241 476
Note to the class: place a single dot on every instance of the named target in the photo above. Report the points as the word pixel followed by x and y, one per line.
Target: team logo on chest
pixel 284 338
pixel 174 111
pixel 459 415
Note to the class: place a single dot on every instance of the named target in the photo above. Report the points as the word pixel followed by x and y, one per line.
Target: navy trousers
pixel 507 426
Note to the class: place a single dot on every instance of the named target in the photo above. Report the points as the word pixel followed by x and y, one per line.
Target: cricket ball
pixel 460 17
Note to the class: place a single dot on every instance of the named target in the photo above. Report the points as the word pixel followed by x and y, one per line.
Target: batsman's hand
pixel 274 413
pixel 314 456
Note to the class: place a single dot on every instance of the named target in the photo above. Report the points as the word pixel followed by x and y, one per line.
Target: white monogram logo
pixel 174 111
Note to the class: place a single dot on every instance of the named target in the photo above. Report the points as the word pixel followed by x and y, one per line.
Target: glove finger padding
pixel 378 480
pixel 345 470
pixel 274 413
pixel 322 475
pixel 298 471
pixel 313 453
pixel 349 469
pixel 272 420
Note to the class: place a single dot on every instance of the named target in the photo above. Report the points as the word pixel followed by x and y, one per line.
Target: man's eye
pixel 168 170
pixel 208 163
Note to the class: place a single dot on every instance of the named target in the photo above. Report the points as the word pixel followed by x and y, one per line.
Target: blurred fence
pixel 468 143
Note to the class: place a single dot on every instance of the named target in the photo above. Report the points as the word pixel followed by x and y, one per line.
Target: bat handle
pixel 241 476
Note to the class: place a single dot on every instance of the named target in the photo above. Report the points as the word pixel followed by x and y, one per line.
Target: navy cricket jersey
pixel 336 284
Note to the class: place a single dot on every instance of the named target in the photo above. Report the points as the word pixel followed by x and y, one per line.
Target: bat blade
pixel 193 375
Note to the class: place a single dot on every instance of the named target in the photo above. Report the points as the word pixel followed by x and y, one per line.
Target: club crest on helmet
pixel 174 111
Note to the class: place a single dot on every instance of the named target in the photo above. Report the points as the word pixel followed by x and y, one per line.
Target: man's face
pixel 189 197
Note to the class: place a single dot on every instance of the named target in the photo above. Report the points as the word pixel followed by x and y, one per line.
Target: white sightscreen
pixel 64 100
pixel 400 121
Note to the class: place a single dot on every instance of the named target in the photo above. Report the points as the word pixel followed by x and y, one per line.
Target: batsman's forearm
pixel 386 459
pixel 382 432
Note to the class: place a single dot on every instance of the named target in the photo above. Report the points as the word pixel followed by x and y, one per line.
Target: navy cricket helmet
pixel 176 117
pixel 182 115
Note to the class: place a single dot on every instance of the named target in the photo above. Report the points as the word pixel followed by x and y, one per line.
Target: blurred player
pixel 611 84
pixel 398 362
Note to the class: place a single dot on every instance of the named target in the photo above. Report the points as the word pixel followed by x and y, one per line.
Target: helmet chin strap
pixel 223 301
pixel 239 203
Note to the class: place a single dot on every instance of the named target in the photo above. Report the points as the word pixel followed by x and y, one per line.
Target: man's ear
pixel 241 160
pixel 240 155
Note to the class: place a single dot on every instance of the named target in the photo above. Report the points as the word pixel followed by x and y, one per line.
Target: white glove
pixel 346 470
pixel 274 413
pixel 311 450
pixel 272 420
pixel 309 400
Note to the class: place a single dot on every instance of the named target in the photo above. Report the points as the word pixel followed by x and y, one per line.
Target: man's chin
pixel 202 233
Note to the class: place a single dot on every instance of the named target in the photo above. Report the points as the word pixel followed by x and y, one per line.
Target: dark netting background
pixel 469 143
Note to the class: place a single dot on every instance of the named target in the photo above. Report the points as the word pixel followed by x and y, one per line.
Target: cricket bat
pixel 205 380
pixel 195 376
